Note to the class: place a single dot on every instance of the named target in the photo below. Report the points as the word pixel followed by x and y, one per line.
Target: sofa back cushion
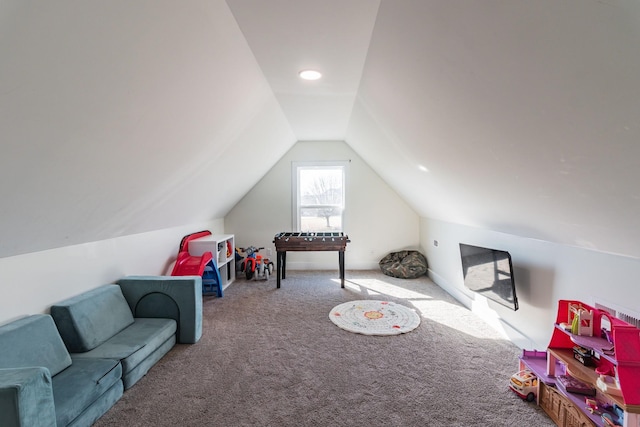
pixel 89 319
pixel 33 341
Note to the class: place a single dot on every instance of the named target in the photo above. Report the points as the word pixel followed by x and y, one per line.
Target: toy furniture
pixel 222 246
pixel 614 369
pixel 70 367
pixel 296 241
pixel 208 256
pixel 580 320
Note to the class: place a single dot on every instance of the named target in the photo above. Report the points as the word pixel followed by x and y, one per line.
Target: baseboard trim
pixel 451 290
pixel 490 317
pixel 333 265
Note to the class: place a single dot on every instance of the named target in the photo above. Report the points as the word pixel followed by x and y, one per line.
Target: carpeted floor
pixel 272 357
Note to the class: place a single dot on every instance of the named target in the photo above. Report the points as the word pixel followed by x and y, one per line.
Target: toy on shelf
pixel 583 355
pixel 609 384
pixel 580 320
pixel 573 385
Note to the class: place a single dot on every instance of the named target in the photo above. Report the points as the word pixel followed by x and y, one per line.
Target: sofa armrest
pixel 174 297
pixel 26 398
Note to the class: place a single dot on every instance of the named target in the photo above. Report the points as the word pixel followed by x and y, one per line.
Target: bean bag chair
pixel 404 264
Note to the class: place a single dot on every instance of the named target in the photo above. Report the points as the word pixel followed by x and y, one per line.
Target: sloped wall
pixel 517 116
pixel 545 272
pixel 122 117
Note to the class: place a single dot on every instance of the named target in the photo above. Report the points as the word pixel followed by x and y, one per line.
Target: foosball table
pixel 307 241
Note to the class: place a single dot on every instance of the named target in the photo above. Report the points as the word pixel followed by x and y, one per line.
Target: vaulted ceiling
pixel 123 117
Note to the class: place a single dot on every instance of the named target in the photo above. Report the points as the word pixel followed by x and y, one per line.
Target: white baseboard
pixel 499 324
pixel 332 265
pixel 451 290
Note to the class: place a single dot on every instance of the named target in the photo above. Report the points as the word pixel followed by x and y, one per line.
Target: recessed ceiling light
pixel 310 74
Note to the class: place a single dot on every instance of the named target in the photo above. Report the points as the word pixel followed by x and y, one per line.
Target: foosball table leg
pixel 281 262
pixel 284 264
pixel 278 268
pixel 341 262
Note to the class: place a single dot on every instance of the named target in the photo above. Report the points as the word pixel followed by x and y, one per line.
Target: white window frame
pixel 296 204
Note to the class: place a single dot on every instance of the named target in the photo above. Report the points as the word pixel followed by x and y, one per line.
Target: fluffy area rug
pixel 373 317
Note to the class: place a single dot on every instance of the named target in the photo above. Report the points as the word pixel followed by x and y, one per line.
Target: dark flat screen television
pixel 489 272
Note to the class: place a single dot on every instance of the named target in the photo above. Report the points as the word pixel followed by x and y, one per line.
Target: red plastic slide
pixel 188 265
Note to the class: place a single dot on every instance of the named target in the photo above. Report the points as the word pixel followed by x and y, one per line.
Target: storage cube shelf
pixel 218 244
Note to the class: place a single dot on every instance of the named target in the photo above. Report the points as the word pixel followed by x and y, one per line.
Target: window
pixel 319 195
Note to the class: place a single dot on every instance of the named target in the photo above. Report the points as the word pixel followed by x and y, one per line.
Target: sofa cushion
pixel 178 298
pixel 98 408
pixel 33 341
pixel 91 318
pixel 133 344
pixel 81 384
pixel 134 375
pixel 26 398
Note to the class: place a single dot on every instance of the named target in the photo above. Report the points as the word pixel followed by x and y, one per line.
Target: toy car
pixel 525 384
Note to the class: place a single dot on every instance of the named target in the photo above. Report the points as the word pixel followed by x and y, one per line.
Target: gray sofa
pixel 70 367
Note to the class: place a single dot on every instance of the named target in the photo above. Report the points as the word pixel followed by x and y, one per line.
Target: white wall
pixel 31 283
pixel 377 220
pixel 120 118
pixel 524 115
pixel 544 273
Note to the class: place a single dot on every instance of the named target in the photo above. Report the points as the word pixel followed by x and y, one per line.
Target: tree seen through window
pixel 321 198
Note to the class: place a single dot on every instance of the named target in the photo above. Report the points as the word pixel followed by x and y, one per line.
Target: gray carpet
pixel 272 357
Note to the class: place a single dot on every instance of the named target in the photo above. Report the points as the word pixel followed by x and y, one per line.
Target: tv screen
pixel 489 272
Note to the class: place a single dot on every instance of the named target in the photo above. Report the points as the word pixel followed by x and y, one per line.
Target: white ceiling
pixel 330 36
pixel 525 115
pixel 517 116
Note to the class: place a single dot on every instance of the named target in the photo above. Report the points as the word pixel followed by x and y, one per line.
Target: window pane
pixel 321 186
pixel 320 197
pixel 321 219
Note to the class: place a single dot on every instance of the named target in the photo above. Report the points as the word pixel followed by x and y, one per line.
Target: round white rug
pixel 373 317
